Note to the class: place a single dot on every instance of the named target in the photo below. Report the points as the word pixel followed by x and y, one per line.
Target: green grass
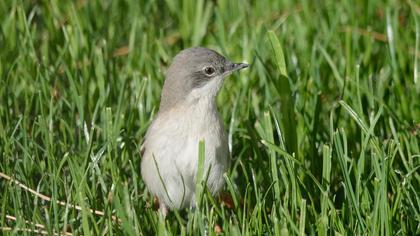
pixel 324 127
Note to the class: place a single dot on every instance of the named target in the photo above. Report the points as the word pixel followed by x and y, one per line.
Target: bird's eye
pixel 209 70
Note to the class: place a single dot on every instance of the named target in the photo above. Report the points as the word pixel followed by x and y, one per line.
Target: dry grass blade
pixel 49 199
pixel 41 228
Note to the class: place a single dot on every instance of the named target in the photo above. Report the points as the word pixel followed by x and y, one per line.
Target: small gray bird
pixel 187 114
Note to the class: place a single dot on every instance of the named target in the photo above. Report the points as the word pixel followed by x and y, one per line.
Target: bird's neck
pixel 203 106
pixel 206 104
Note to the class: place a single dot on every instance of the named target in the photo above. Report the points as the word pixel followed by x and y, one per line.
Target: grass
pixel 324 127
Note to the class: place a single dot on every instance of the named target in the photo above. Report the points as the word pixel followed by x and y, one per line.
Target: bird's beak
pixel 231 67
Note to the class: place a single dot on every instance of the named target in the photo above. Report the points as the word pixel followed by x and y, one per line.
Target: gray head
pixel 195 73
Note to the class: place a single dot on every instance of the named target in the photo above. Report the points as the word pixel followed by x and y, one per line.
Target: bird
pixel 187 115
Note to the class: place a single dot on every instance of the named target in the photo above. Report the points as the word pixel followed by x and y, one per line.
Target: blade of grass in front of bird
pixel 199 187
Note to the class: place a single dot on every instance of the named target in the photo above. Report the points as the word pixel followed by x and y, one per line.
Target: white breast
pixel 170 160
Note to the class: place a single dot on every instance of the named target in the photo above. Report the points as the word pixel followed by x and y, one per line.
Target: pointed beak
pixel 231 67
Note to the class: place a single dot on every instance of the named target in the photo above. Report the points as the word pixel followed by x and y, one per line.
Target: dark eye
pixel 209 70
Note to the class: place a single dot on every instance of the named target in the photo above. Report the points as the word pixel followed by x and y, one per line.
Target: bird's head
pixel 195 73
